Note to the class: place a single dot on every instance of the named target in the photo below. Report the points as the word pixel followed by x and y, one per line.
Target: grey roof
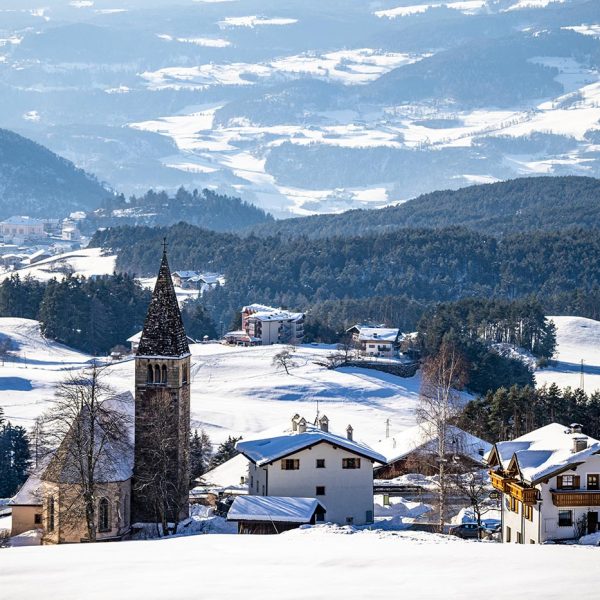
pixel 163 333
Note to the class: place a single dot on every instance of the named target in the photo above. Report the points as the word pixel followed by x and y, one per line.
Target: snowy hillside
pixel 86 262
pixel 367 564
pixel 578 339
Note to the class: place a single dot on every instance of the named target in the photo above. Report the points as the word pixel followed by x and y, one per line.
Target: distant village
pixel 540 487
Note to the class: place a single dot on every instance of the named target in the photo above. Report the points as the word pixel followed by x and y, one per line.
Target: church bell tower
pixel 162 409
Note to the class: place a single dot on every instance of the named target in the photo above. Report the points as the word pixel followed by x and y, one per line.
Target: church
pixel 146 478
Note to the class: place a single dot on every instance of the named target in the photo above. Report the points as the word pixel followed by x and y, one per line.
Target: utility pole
pixel 387 428
pixel 581 378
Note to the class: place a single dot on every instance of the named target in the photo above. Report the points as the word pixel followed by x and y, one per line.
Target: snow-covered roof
pixel 28 494
pixel 544 451
pixel 280 509
pixel 227 475
pixel 268 313
pixel 185 274
pixel 136 337
pixel 419 437
pixel 380 334
pixel 40 253
pixel 266 450
pixel 22 220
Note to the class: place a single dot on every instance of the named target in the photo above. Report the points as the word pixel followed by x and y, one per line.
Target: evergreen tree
pixel 200 454
pixel 225 452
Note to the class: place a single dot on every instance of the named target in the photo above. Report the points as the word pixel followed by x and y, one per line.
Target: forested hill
pixel 36 182
pixel 527 204
pixel 408 266
pixel 203 208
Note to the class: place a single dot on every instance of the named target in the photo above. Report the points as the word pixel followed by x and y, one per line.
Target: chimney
pixel 295 420
pixel 302 425
pixel 349 432
pixel 580 442
pixel 576 427
pixel 324 423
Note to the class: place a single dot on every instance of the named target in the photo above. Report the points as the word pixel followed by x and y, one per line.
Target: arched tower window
pixel 103 515
pixel 164 374
pixel 184 375
pixel 150 374
pixel 51 513
pixel 156 374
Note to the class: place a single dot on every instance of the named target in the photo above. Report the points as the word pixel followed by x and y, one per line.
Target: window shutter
pixel 576 480
pixel 559 482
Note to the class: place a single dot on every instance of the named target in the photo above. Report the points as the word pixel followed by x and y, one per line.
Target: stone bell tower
pixel 162 409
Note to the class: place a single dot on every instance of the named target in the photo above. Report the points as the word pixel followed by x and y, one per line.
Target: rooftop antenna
pixel 581 378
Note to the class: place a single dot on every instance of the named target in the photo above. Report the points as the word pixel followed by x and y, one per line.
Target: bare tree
pixel 346 351
pixel 284 359
pixel 475 486
pixel 160 483
pixel 6 346
pixel 90 434
pixel 439 407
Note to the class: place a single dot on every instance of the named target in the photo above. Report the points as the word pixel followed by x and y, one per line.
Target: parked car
pixel 465 531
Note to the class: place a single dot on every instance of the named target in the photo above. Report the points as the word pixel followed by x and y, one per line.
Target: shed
pixel 274 514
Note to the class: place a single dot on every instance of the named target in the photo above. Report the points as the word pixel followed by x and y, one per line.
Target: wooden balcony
pixel 526 495
pixel 500 482
pixel 509 485
pixel 565 498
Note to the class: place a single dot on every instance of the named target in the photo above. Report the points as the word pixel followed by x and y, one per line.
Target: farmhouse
pixel 272 325
pixel 375 340
pixel 414 451
pixel 550 484
pixel 311 462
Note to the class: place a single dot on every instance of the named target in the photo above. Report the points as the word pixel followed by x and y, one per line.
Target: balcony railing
pixel 509 485
pixel 575 498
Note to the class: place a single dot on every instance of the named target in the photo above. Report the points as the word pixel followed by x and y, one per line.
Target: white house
pixel 311 462
pixel 22 229
pixel 375 340
pixel 550 484
pixel 272 325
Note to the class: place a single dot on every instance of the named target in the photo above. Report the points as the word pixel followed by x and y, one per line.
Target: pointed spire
pixel 163 333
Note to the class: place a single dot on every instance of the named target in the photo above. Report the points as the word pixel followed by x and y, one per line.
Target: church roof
pixel 163 333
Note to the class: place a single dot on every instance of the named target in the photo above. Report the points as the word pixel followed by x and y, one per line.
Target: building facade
pixel 376 341
pixel 272 325
pixel 312 462
pixel 549 482
pixel 21 229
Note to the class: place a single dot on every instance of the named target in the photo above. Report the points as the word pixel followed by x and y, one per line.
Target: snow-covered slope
pixel 368 564
pixel 86 262
pixel 578 339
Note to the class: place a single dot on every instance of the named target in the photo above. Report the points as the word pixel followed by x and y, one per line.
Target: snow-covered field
pixel 86 262
pixel 238 391
pixel 319 562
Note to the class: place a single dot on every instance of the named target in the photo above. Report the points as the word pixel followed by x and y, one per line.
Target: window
pixel 37 519
pixel 386 499
pixel 567 482
pixel 150 378
pixel 126 507
pixel 514 505
pixel 519 537
pixel 320 463
pixel 103 515
pixel 349 520
pixel 290 464
pixel 369 516
pixel 184 377
pixel 528 512
pixel 593 481
pixel 320 490
pixel 350 463
pixel 508 534
pixel 251 481
pixel 51 513
pixel 565 518
pixel 164 374
pixel 156 374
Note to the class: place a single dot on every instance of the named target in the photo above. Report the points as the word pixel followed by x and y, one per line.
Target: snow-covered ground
pixel 86 262
pixel 319 562
pixel 578 339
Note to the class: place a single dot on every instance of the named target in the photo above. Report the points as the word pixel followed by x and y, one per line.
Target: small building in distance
pixel 196 280
pixel 241 338
pixel 272 325
pixel 414 451
pixel 274 514
pixel 375 340
pixel 308 461
pixel 549 480
pixel 22 229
